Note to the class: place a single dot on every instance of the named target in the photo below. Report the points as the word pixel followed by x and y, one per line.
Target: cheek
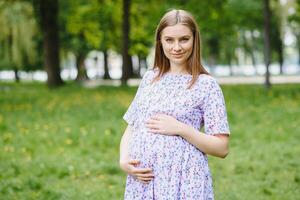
pixel 166 46
pixel 166 49
pixel 189 46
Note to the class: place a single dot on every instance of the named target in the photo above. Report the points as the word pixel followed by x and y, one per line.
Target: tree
pixel 294 22
pixel 126 42
pixel 276 41
pixel 211 20
pixel 18 29
pixel 246 18
pixel 48 18
pixel 267 16
pixel 110 21
pixel 144 20
pixel 80 31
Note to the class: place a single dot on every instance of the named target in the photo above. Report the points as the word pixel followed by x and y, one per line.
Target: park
pixel 70 69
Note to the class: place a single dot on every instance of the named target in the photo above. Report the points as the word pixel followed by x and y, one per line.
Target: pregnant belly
pixel 156 150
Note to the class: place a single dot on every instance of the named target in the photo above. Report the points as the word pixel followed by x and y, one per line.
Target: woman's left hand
pixel 163 124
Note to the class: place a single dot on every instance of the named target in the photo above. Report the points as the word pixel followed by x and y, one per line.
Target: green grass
pixel 64 143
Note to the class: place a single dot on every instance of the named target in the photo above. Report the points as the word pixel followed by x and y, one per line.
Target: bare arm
pixel 215 145
pixel 124 144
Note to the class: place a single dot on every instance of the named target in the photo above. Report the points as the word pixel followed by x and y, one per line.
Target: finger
pixel 162 115
pixel 133 161
pixel 155 118
pixel 145 182
pixel 146 179
pixel 141 170
pixel 155 131
pixel 150 121
pixel 144 175
pixel 152 126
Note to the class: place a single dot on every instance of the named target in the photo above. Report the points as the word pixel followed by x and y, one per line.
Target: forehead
pixel 177 30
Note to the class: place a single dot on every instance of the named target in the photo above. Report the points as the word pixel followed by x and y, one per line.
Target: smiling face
pixel 177 43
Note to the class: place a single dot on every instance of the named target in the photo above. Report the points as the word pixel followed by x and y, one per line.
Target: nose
pixel 177 46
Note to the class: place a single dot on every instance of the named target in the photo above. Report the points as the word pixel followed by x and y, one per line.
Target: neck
pixel 178 69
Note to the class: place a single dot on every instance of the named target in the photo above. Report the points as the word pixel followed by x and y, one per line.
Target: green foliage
pixel 17 35
pixel 87 25
pixel 64 143
pixel 296 16
pixel 80 30
pixel 144 20
pixel 110 18
pixel 294 22
pixel 247 14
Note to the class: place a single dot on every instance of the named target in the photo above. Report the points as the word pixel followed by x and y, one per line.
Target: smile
pixel 177 55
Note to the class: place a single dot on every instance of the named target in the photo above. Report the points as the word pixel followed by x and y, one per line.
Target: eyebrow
pixel 185 36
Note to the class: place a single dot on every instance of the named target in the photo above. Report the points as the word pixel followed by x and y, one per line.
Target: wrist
pixel 186 130
pixel 182 129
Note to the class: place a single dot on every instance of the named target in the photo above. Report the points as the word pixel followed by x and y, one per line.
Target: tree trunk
pixel 106 70
pixel 10 54
pixel 253 61
pixel 298 46
pixel 49 25
pixel 245 47
pixel 214 52
pixel 278 45
pixel 229 61
pixel 126 30
pixel 252 53
pixel 132 72
pixel 267 15
pixel 81 71
pixel 212 63
pixel 280 56
pixel 16 72
pixel 144 59
pixel 140 64
pixel 299 53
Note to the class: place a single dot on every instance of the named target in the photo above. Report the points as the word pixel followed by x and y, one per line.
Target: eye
pixel 185 39
pixel 169 40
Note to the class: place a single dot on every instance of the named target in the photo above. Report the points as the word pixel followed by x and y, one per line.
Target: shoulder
pixel 208 83
pixel 147 77
pixel 149 74
pixel 205 79
pixel 152 71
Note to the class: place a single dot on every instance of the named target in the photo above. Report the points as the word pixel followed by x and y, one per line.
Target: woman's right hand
pixel 142 174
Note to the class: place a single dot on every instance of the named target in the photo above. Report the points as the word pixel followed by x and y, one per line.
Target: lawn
pixel 64 143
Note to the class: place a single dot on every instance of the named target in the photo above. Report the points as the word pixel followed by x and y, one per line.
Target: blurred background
pixel 112 39
pixel 65 67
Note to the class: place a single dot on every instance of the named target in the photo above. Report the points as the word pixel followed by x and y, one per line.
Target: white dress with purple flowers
pixel 180 170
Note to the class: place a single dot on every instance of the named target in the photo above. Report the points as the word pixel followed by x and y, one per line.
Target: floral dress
pixel 181 171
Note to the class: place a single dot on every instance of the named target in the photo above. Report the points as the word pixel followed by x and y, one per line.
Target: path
pixel 279 79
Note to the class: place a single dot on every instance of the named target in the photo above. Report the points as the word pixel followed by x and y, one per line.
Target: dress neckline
pixel 176 74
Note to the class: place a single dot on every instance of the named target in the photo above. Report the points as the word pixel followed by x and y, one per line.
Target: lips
pixel 177 55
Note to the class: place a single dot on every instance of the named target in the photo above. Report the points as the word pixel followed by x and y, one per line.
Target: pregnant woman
pixel 162 149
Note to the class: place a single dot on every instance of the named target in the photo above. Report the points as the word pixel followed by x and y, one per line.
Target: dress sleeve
pixel 131 114
pixel 215 115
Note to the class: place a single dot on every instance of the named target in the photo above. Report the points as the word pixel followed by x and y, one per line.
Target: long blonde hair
pixel 161 62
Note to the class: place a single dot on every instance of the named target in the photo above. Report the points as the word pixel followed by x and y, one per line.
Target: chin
pixel 178 61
